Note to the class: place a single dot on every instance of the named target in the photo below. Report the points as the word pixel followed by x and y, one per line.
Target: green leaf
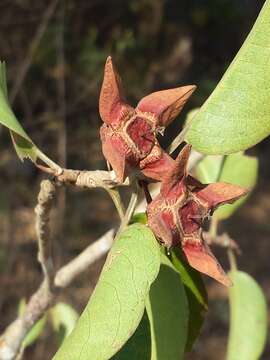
pixel 236 116
pixel 248 318
pixel 209 168
pixel 116 307
pixel 139 345
pixel 36 331
pixel 25 149
pixel 167 310
pixel 238 169
pixel 63 318
pixel 196 296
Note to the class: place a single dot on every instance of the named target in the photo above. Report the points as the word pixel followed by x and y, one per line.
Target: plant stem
pixel 130 209
pixel 232 259
pixel 116 198
pixel 178 140
pixel 52 165
pixel 43 209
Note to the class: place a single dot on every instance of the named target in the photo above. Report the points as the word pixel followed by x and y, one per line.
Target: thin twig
pixel 91 179
pixel 130 209
pixel 41 300
pixel 12 338
pixel 85 178
pixel 178 140
pixel 53 167
pixel 45 200
pixel 75 267
pixel 223 240
pixel 232 259
pixel 116 198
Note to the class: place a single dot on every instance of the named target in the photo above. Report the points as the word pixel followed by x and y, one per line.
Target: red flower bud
pixel 177 213
pixel 128 135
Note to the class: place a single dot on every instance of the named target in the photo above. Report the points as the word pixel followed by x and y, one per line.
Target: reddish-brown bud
pixel 177 213
pixel 128 135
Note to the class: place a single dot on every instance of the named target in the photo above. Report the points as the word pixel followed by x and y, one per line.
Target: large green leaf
pixel 116 307
pixel 196 296
pixel 167 310
pixel 238 169
pixel 139 345
pixel 236 116
pixel 248 318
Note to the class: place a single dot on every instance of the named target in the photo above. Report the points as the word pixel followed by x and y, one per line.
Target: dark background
pixel 55 53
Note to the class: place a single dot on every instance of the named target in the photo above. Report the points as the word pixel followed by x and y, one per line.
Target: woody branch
pixel 12 338
pixel 85 178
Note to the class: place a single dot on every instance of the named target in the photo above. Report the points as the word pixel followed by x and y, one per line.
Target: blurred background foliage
pixel 55 53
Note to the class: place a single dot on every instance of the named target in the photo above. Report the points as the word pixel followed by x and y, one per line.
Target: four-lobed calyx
pixel 176 215
pixel 128 135
pixel 130 145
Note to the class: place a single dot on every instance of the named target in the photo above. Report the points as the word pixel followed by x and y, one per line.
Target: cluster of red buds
pixel 130 145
